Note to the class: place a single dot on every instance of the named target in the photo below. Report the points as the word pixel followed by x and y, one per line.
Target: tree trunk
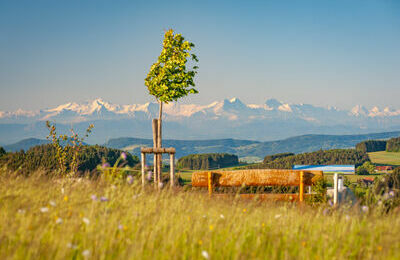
pixel 159 143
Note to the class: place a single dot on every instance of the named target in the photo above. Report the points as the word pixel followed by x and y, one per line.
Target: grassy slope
pixel 179 225
pixel 385 158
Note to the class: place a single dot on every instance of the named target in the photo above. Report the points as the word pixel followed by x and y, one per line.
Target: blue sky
pixel 328 53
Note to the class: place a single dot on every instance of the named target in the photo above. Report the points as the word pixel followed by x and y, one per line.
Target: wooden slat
pixel 157 150
pixel 255 177
pixel 264 197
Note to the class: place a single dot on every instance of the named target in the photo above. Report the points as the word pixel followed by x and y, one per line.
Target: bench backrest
pixel 255 177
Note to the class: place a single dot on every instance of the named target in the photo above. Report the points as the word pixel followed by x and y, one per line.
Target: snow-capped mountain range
pixel 220 119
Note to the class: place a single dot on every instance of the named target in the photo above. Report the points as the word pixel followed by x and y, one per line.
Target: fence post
pixel 143 166
pixel 301 187
pixel 172 168
pixel 335 189
pixel 210 184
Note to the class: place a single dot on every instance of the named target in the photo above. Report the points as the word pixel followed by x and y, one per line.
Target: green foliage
pixel 371 146
pixel 328 157
pixel 207 161
pixel 366 168
pixel 44 157
pixel 169 78
pixel 64 144
pixel 393 145
pixel 270 158
pixel 2 151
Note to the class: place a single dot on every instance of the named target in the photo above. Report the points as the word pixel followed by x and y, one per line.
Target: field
pixel 80 218
pixel 385 158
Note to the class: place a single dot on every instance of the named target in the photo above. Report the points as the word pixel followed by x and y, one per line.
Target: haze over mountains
pixel 220 119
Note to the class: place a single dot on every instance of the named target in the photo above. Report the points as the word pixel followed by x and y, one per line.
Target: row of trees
pixel 371 146
pixel 391 145
pixel 321 157
pixel 207 161
pixel 44 157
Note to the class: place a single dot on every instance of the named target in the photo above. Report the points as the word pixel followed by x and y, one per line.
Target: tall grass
pixel 48 218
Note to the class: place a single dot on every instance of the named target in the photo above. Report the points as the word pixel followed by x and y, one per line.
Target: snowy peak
pixel 228 109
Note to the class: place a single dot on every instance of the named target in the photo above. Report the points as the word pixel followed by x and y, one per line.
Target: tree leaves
pixel 169 78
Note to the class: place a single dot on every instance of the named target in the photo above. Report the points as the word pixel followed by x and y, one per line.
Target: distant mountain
pixel 25 144
pixel 229 118
pixel 245 148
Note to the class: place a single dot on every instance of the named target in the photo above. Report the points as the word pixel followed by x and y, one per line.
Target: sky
pixel 326 53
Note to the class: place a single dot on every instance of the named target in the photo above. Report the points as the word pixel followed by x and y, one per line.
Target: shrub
pixel 2 151
pixel 366 168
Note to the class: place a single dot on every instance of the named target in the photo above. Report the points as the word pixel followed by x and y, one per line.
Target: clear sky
pixel 329 53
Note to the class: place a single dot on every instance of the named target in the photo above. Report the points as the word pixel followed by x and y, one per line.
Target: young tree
pixel 170 78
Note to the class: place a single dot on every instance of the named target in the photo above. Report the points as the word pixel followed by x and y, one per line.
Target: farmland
pixel 56 218
pixel 385 158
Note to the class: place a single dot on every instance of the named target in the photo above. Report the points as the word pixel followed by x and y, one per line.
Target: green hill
pixel 254 149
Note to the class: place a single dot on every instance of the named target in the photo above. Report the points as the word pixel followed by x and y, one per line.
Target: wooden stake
pixel 301 187
pixel 210 183
pixel 172 168
pixel 143 167
pixel 155 140
pixel 159 145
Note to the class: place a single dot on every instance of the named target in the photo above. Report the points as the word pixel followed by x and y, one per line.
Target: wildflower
pixel 86 253
pixel 277 216
pixel 347 217
pixel 21 211
pixel 161 185
pixel 365 209
pixel 380 248
pixel 330 202
pixel 65 198
pixel 73 246
pixel 149 175
pixel 200 242
pixel 205 254
pixel 391 194
pixel 44 209
pixel 325 212
pixel 120 227
pixel 263 224
pixel 94 197
pixel 222 216
pixel 62 190
pixel 105 165
pixel 86 221
pixel 52 203
pixel 211 227
pixel 123 156
pixel 103 199
pixel 59 221
pixel 129 179
pixel 244 210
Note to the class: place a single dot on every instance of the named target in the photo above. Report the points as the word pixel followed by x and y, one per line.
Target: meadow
pixel 79 218
pixel 385 158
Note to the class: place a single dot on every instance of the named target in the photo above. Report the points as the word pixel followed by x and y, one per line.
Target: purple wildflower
pixel 391 194
pixel 129 179
pixel 123 155
pixel 365 209
pixel 94 197
pixel 103 199
pixel 105 165
pixel 149 175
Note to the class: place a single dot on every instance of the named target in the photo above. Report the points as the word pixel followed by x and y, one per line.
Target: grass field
pixel 43 218
pixel 385 158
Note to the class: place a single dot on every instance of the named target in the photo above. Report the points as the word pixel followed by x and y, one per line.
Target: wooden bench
pixel 258 177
